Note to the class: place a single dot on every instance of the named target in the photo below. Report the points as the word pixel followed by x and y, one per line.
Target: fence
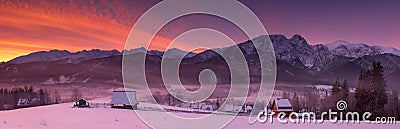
pixel 99 105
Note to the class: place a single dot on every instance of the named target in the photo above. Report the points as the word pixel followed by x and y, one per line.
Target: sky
pixel 39 25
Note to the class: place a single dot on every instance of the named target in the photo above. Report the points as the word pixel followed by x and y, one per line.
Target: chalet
pixel 185 105
pixel 248 108
pixel 207 107
pixel 23 102
pixel 282 105
pixel 231 108
pixel 35 102
pixel 190 105
pixel 82 103
pixel 194 106
pixel 7 107
pixel 124 99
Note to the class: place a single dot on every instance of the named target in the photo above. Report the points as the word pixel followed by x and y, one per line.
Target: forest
pixel 27 96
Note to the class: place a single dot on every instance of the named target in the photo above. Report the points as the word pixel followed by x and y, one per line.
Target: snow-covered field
pixel 63 116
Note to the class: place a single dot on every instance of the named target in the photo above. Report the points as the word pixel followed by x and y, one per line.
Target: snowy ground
pixel 62 116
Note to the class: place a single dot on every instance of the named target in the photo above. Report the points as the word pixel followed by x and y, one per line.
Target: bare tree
pixel 286 95
pixel 296 102
pixel 312 100
pixel 57 97
pixel 76 95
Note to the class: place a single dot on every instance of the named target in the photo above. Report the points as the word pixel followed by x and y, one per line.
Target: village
pixel 127 99
pixel 314 98
pixel 26 97
pixel 286 99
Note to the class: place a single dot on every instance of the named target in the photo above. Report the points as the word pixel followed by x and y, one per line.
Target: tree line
pixel 370 95
pixel 27 97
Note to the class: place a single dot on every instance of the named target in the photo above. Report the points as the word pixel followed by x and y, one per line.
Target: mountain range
pixel 297 62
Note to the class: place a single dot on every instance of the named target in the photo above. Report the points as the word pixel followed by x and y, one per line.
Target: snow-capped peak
pixel 390 50
pixel 347 49
pixel 135 50
pixel 348 45
pixel 55 55
pixel 41 56
pixel 176 53
pixel 170 53
pixel 335 44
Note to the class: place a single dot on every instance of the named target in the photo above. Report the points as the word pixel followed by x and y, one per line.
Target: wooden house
pixel 82 103
pixel 282 105
pixel 23 102
pixel 124 99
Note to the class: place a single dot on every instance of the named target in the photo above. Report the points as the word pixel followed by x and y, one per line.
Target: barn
pixel 282 105
pixel 124 99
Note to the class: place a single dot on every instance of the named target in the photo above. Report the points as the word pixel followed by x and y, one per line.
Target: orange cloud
pixel 29 26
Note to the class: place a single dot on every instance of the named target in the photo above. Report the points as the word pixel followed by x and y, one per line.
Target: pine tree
pixel 361 95
pixel 57 97
pixel 392 107
pixel 396 105
pixel 336 87
pixel 398 108
pixel 371 93
pixel 378 86
pixel 296 102
pixel 42 97
pixel 345 91
pixel 218 104
pixel 335 95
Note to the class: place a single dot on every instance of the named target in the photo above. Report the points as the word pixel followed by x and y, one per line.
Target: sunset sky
pixel 34 25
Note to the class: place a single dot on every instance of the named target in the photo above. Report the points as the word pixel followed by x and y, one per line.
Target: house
pixel 35 102
pixel 190 105
pixel 185 105
pixel 282 105
pixel 124 99
pixel 248 108
pixel 231 108
pixel 194 106
pixel 207 107
pixel 23 102
pixel 81 103
pixel 7 107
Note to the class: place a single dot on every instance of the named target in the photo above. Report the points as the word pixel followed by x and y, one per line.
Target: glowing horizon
pixel 30 26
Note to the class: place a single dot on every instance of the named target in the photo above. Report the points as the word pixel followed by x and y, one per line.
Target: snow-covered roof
pixel 123 97
pixel 207 107
pixel 283 103
pixel 231 108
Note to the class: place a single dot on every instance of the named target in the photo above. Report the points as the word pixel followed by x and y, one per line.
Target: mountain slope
pixel 297 62
pixel 68 57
